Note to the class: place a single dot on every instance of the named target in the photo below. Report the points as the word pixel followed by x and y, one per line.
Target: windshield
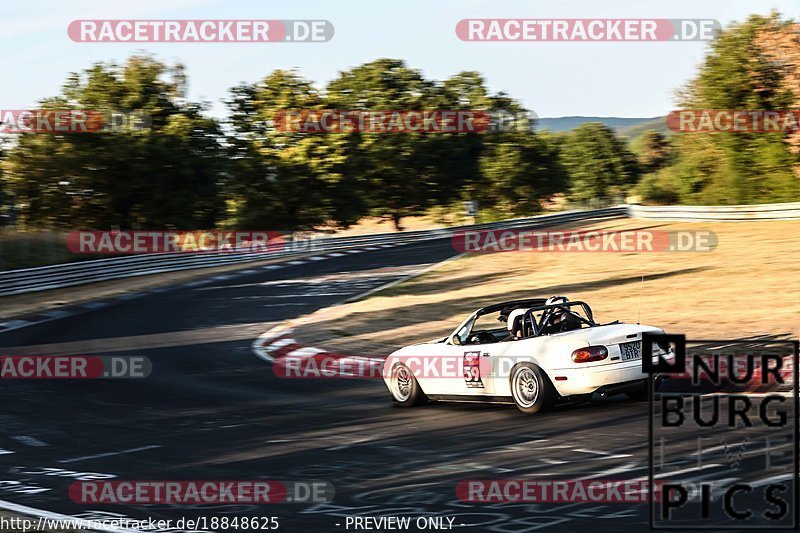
pixel 462 332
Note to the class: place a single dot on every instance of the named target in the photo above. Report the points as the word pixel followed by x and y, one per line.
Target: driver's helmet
pixel 557 312
pixel 514 322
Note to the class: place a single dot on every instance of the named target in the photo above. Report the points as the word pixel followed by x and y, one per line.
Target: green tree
pixel 733 168
pixel 166 174
pixel 396 175
pixel 521 169
pixel 282 180
pixel 653 151
pixel 598 163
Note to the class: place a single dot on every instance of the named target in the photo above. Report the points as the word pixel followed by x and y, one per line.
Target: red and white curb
pixel 278 344
pixel 275 345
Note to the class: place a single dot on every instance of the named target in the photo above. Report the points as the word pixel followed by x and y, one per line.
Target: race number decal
pixel 472 370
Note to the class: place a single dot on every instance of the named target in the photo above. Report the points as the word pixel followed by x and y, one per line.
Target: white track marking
pixel 305 353
pixel 39 513
pixel 109 454
pixel 315 295
pixel 604 455
pixel 29 441
pixel 280 343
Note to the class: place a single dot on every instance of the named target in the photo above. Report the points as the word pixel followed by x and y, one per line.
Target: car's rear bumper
pixel 571 381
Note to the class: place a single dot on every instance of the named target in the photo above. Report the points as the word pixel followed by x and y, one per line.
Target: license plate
pixel 631 350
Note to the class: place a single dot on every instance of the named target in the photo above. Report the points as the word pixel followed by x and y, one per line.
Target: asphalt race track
pixel 212 410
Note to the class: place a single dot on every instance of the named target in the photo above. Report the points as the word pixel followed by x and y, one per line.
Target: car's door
pixel 439 369
pixel 480 355
pixel 477 365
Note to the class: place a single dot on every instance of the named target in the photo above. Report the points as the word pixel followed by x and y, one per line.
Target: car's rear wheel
pixel 531 388
pixel 405 390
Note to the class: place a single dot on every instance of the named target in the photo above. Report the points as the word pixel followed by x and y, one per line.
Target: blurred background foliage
pixel 189 170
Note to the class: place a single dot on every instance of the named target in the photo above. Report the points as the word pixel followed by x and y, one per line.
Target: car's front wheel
pixel 531 388
pixel 405 390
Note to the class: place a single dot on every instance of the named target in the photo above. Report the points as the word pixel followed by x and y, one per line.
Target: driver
pixel 514 323
pixel 560 318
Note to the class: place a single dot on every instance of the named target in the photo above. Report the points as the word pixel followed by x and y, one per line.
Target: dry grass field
pixel 748 286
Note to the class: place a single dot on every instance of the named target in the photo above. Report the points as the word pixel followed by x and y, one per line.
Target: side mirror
pixel 457 340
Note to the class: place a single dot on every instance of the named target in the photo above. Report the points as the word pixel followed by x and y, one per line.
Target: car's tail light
pixel 589 354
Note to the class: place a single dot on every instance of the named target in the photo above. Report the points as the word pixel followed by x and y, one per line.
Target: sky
pixel 628 79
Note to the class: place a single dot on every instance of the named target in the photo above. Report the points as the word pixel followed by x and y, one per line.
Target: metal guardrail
pixel 91 271
pixel 70 274
pixel 719 213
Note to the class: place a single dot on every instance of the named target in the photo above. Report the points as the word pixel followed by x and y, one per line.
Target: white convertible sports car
pixel 550 352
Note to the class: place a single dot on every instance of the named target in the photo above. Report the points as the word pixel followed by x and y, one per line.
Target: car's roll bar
pixel 548 312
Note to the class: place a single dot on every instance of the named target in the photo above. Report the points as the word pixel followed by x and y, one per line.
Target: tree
pixel 395 171
pixel 282 179
pixel 521 169
pixel 741 71
pixel 598 163
pixel 166 174
pixel 653 151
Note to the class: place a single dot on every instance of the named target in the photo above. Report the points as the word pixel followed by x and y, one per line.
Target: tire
pixel 404 388
pixel 531 388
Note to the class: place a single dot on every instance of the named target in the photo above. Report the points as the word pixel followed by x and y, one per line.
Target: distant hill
pixel 628 127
